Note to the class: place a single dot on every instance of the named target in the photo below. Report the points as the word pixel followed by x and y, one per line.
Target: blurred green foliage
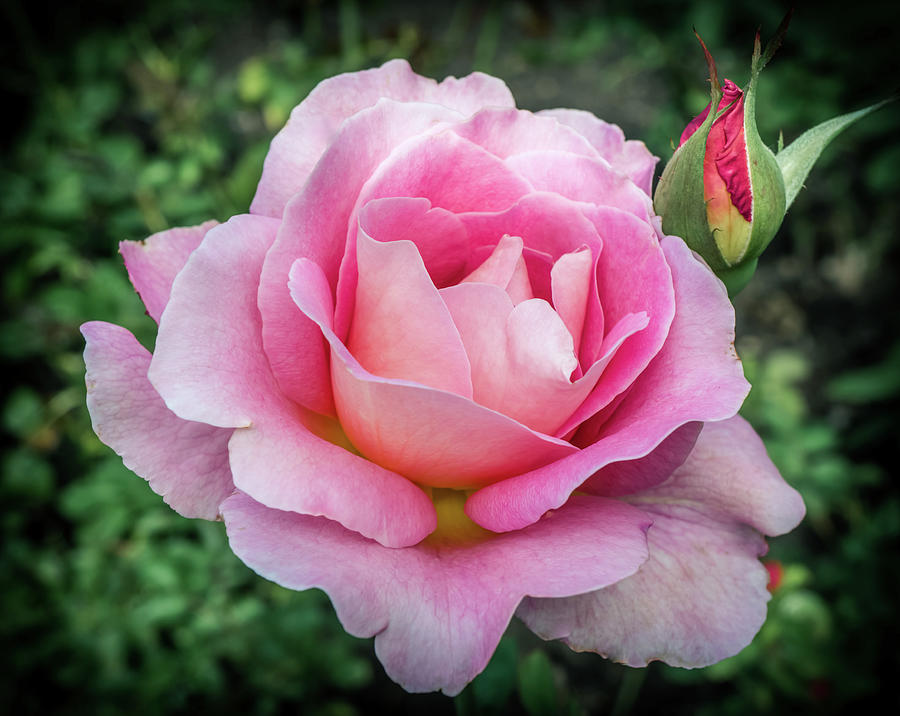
pixel 137 117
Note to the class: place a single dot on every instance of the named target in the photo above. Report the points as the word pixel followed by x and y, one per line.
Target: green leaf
pixel 797 159
pixel 870 384
pixel 537 687
pixel 492 690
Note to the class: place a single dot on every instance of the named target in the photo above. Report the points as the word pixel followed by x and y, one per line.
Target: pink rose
pixel 447 370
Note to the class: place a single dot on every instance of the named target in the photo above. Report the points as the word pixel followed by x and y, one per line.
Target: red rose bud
pixel 776 574
pixel 723 191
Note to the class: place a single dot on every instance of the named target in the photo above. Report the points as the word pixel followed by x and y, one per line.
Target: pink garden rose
pixel 447 370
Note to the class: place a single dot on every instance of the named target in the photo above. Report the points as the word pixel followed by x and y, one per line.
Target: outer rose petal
pixel 209 366
pixel 696 376
pixel 185 462
pixel 437 610
pixel 282 464
pixel 628 477
pixel 701 596
pixel 315 122
pixel 153 263
pixel 629 157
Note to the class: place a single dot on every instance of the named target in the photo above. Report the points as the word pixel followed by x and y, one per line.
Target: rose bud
pixel 723 190
pixel 776 574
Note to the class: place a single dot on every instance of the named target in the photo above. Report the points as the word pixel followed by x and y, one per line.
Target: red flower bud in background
pixel 776 574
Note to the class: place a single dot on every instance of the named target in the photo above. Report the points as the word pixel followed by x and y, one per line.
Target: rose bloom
pixel 448 370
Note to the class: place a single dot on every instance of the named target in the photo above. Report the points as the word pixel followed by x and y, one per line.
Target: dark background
pixel 122 119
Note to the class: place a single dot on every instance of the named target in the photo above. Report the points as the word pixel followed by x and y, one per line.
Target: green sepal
pixel 737 278
pixel 679 197
pixel 797 159
pixel 766 182
pixel 761 59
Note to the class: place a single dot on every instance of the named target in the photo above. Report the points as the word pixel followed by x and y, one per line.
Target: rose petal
pixel 438 610
pixel 701 596
pixel 449 171
pixel 401 328
pixel 315 226
pixel 431 436
pixel 466 95
pixel 504 132
pixel 505 268
pixel 438 234
pixel 633 278
pixel 522 355
pixel 619 335
pixel 546 222
pixel 209 365
pixel 554 226
pixel 153 263
pixel 185 462
pixel 697 368
pixel 316 121
pixel 591 180
pixel 696 376
pixel 638 163
pixel 539 265
pixel 570 280
pixel 282 464
pixel 629 157
pixel 626 478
